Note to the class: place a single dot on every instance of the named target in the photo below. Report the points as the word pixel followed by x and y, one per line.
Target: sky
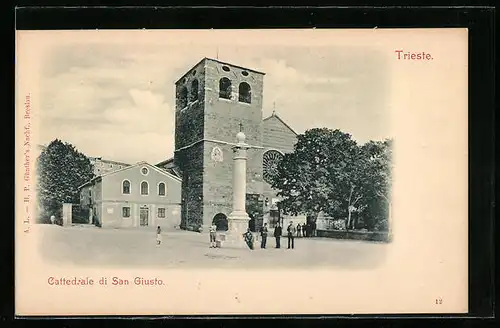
pixel 116 99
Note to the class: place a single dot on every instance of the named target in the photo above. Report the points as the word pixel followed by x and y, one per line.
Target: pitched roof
pixel 165 161
pixel 170 175
pixel 173 171
pixel 281 120
pixel 90 181
pixel 108 161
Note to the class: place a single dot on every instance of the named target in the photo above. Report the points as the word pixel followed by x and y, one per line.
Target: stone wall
pixel 218 177
pixel 221 124
pixel 355 235
pixel 277 135
pixel 189 125
pixel 223 116
pixel 189 129
pixel 189 118
pixel 191 163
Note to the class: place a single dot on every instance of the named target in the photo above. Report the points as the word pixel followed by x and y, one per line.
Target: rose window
pixel 271 160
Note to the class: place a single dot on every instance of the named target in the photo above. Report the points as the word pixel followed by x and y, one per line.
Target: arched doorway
pixel 220 221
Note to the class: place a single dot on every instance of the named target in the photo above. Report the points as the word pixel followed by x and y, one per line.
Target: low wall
pixel 355 235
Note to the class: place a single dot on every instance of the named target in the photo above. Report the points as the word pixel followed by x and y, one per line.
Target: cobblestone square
pixel 90 246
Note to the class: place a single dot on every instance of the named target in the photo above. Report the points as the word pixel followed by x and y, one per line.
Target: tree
pixel 328 172
pixel 379 169
pixel 61 169
pixel 321 174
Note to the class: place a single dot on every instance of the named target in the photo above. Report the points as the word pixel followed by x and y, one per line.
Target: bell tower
pixel 214 101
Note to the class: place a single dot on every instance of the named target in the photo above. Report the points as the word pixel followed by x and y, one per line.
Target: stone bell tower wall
pixel 222 122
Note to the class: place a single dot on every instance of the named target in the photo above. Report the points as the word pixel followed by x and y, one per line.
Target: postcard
pixel 241 172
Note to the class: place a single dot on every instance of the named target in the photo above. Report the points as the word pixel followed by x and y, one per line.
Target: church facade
pixel 215 100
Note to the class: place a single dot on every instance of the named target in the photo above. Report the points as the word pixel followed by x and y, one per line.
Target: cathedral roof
pixel 274 115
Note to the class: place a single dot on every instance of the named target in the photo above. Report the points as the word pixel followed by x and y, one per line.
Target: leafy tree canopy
pixel 329 172
pixel 61 169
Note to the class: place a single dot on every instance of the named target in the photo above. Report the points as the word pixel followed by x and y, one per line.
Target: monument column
pixel 238 219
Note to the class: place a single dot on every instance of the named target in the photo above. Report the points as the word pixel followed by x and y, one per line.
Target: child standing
pixel 213 236
pixel 158 235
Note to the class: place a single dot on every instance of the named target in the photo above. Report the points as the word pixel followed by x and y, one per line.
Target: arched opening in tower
pixel 245 93
pixel 183 97
pixel 194 90
pixel 225 88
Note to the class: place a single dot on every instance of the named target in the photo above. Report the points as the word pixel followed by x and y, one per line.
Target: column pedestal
pixel 237 226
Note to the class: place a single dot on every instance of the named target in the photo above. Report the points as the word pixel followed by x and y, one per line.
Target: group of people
pixel 306 230
pixel 249 237
pixel 278 231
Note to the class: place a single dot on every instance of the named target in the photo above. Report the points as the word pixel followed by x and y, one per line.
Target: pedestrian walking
pixel 277 234
pixel 263 235
pixel 291 233
pixel 158 235
pixel 52 219
pixel 213 236
pixel 299 230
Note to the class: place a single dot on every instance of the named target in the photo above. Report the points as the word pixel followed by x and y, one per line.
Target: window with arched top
pixel 194 90
pixel 245 93
pixel 126 187
pixel 225 88
pixel 161 189
pixel 183 97
pixel 144 188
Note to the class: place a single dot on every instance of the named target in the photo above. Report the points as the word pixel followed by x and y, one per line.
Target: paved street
pixel 88 245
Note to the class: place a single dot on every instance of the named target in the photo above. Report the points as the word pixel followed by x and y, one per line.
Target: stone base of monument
pixel 237 226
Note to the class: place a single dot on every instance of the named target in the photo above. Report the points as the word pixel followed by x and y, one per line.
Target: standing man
pixel 277 234
pixel 291 233
pixel 263 235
